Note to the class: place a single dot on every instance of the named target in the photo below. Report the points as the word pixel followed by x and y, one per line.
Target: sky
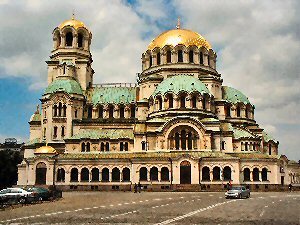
pixel 257 44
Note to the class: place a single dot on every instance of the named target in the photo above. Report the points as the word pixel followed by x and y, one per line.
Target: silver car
pixel 17 195
pixel 238 192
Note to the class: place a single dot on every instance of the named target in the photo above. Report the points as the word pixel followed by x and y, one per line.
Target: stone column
pixel 75 38
pixel 148 175
pixel 159 176
pixel 110 176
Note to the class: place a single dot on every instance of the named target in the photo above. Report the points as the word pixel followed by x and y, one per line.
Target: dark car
pixel 238 192
pixel 41 193
pixel 19 195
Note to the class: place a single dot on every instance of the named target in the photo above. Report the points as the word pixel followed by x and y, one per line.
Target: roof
pixel 66 85
pixel 267 137
pixel 46 150
pixel 233 95
pixel 253 155
pixel 241 133
pixel 103 133
pixel 180 83
pixel 35 117
pixel 73 23
pixel 226 127
pixel 114 95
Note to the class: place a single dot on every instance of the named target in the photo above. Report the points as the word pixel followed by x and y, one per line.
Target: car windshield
pixel 236 188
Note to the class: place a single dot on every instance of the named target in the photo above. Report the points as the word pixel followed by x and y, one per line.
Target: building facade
pixel 178 127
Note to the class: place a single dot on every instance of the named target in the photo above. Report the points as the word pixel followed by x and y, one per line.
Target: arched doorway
pixel 40 173
pixel 185 172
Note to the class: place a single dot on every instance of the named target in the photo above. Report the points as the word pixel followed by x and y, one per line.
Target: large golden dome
pixel 73 23
pixel 179 36
pixel 46 150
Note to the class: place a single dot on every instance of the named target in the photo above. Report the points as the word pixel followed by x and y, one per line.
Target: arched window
pixel 205 173
pixel 60 175
pixel 88 147
pixel 126 146
pixel 180 56
pixel 80 40
pixel 90 112
pixel 227 111
pixel 165 174
pixel 55 131
pixel 74 175
pixel 150 60
pixel 100 112
pixel 223 145
pixel 247 113
pixel 62 131
pixel 107 146
pixel 44 133
pixel 111 111
pixel 246 146
pixel 83 147
pixel 69 39
pixel 169 56
pixel 143 145
pixel 154 174
pixel 255 174
pixel 204 103
pixel 143 174
pixel 122 111
pixel 116 174
pixel 75 113
pixel 190 140
pixel 64 111
pixel 158 58
pixel 105 175
pixel 54 110
pixel 191 56
pixel 102 147
pixel 182 101
pixel 95 174
pixel 177 141
pixel 194 101
pixel 60 109
pixel 132 111
pixel 85 175
pixel 201 58
pixel 216 173
pixel 246 174
pixel 238 111
pixel 208 60
pixel 170 98
pixel 126 174
pixel 121 146
pixel 264 174
pixel 183 139
pixel 227 173
pixel 160 102
pixel 270 149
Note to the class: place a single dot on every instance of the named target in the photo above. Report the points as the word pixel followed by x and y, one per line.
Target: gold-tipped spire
pixel 73 14
pixel 178 23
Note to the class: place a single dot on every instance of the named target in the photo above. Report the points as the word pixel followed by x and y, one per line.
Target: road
pixel 160 208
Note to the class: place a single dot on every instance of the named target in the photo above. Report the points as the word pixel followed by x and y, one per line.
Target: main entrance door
pixel 40 173
pixel 185 172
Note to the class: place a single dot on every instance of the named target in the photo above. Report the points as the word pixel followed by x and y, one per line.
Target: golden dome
pixel 73 23
pixel 179 36
pixel 46 150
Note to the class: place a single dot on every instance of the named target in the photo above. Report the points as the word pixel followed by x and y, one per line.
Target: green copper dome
pixel 66 85
pixel 232 95
pixel 117 95
pixel 180 83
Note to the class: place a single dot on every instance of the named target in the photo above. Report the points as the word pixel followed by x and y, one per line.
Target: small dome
pixel 64 84
pixel 46 150
pixel 72 23
pixel 179 36
pixel 178 83
pixel 233 95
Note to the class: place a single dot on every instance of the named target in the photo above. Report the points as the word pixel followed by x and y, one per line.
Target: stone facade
pixel 176 128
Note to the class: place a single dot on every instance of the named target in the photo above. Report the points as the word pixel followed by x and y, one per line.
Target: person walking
pixel 135 188
pixel 140 187
pixel 290 187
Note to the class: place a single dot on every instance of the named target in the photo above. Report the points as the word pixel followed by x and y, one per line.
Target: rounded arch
pixel 95 174
pixel 115 174
pixel 216 173
pixel 126 174
pixel 246 173
pixel 74 175
pixel 205 173
pixel 185 172
pixel 227 173
pixel 165 174
pixel 154 173
pixel 143 174
pixel 264 174
pixel 255 174
pixel 105 174
pixel 85 175
pixel 60 175
pixel 41 173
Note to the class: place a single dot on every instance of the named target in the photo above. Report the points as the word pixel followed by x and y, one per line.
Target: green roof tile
pixel 241 133
pixel 178 83
pixel 115 95
pixel 35 117
pixel 64 84
pixel 267 137
pixel 103 133
pixel 232 95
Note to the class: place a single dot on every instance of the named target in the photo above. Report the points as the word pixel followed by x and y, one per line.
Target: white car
pixel 18 195
pixel 238 192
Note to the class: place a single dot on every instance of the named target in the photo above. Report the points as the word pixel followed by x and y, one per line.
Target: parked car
pixel 19 195
pixel 41 193
pixel 238 192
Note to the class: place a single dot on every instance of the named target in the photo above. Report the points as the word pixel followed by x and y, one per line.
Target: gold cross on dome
pixel 178 23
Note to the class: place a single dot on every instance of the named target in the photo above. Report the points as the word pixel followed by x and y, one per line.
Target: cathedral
pixel 176 128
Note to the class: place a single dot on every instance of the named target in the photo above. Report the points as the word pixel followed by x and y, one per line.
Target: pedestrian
pixel 290 187
pixel 140 187
pixel 135 188
pixel 227 186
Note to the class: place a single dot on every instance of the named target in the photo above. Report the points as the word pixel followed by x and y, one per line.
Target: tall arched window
pixel 205 173
pixel 62 131
pixel 246 174
pixel 227 111
pixel 227 173
pixel 74 175
pixel 238 111
pixel 150 60
pixel 216 173
pixel 201 58
pixel 154 174
pixel 126 174
pixel 111 111
pixel 126 146
pixel 143 145
pixel 158 58
pixel 182 101
pixel 246 146
pixel 107 146
pixel 88 147
pixel 194 101
pixel 264 174
pixel 121 146
pixel 69 39
pixel 90 111
pixel 191 56
pixel 122 111
pixel 208 60
pixel 183 139
pixel 204 103
pixel 60 175
pixel 132 111
pixel 143 174
pixel 170 99
pixel 270 149
pixel 64 111
pixel 160 102
pixel 169 56
pixel 83 147
pixel 255 174
pixel 60 109
pixel 115 175
pixel 177 140
pixel 100 112
pixel 80 40
pixel 102 147
pixel 105 175
pixel 54 110
pixel 180 56
pixel 190 140
pixel 85 175
pixel 95 174
pixel 55 131
pixel 165 174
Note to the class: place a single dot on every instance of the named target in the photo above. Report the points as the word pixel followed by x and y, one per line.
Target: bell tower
pixel 71 57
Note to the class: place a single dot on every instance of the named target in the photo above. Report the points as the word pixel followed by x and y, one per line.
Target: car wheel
pixel 22 200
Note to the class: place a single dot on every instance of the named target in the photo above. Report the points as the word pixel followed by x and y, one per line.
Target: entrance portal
pixel 40 173
pixel 185 172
